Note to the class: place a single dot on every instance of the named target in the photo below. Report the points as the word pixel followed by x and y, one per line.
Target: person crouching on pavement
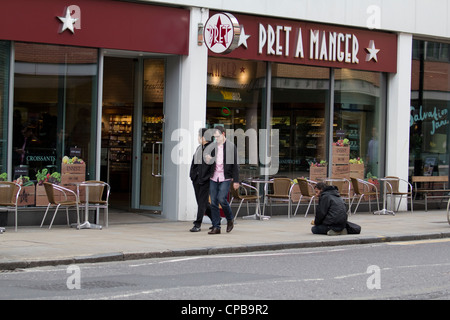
pixel 331 213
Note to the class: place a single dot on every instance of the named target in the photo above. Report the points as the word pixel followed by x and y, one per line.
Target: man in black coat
pixel 331 213
pixel 200 173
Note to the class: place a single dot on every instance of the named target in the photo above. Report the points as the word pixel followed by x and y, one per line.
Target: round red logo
pixel 222 33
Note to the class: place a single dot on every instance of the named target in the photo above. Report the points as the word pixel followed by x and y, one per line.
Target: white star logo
pixel 243 38
pixel 67 21
pixel 372 52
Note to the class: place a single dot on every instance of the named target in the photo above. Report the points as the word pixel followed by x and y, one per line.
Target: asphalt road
pixel 397 270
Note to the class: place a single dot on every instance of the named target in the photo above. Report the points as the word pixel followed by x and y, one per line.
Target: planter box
pixel 68 178
pixel 73 168
pixel 41 196
pixel 27 196
pixel 341 155
pixel 317 173
pixel 357 170
pixel 340 171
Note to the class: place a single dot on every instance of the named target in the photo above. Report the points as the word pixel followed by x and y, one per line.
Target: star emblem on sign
pixel 372 52
pixel 67 21
pixel 243 37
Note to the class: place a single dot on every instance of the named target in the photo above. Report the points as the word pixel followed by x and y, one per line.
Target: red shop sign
pixel 288 41
pixel 98 24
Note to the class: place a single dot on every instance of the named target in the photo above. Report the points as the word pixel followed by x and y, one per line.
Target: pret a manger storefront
pixel 125 87
pixel 316 84
pixel 89 79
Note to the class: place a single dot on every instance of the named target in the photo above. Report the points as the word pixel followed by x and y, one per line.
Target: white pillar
pixel 185 115
pixel 398 113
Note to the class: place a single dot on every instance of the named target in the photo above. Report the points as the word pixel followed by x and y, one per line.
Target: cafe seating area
pixel 377 196
pixel 80 196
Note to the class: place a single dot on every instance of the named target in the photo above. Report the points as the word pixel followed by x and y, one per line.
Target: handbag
pixel 353 228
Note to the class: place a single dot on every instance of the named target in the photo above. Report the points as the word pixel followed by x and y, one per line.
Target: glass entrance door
pixel 152 135
pixel 117 128
pixel 132 131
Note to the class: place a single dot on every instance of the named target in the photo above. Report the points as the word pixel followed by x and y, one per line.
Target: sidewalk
pixel 135 236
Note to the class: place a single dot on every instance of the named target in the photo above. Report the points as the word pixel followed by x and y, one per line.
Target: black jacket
pixel 200 170
pixel 331 210
pixel 230 163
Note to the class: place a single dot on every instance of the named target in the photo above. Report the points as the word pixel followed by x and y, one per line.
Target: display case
pixel 152 132
pixel 120 142
pixel 302 140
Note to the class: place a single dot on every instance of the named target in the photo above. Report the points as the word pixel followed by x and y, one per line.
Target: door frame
pixel 137 123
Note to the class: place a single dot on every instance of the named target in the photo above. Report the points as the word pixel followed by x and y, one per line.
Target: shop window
pixel 299 98
pixel 236 89
pixel 4 94
pixel 357 117
pixel 54 106
pixel 430 106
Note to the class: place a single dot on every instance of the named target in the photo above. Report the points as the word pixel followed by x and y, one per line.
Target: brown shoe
pixel 214 231
pixel 230 225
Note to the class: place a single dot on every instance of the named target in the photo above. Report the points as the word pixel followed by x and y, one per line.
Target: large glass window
pixel 236 89
pixel 358 114
pixel 299 99
pixel 300 112
pixel 4 93
pixel 430 106
pixel 54 105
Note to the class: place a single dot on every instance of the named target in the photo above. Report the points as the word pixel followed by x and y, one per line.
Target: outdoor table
pixel 258 183
pixel 385 210
pixel 86 224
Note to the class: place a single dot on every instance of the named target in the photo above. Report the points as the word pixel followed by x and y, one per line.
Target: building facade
pixel 125 85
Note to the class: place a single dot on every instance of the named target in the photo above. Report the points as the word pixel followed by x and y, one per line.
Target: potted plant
pixel 317 170
pixel 73 169
pixel 45 176
pixel 28 191
pixel 357 168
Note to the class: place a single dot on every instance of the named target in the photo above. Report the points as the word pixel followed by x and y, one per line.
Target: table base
pixel 86 225
pixel 256 217
pixel 384 211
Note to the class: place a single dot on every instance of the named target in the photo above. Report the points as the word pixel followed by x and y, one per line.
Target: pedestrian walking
pixel 200 176
pixel 224 172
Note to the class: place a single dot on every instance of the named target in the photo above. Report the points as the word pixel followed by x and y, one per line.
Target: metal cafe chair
pixel 281 192
pixel 54 190
pixel 306 191
pixel 99 192
pixel 243 194
pixel 368 189
pixel 9 197
pixel 395 185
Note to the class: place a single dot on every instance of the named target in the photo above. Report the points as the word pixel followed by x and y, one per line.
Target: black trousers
pixel 323 229
pixel 202 197
pixel 320 229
